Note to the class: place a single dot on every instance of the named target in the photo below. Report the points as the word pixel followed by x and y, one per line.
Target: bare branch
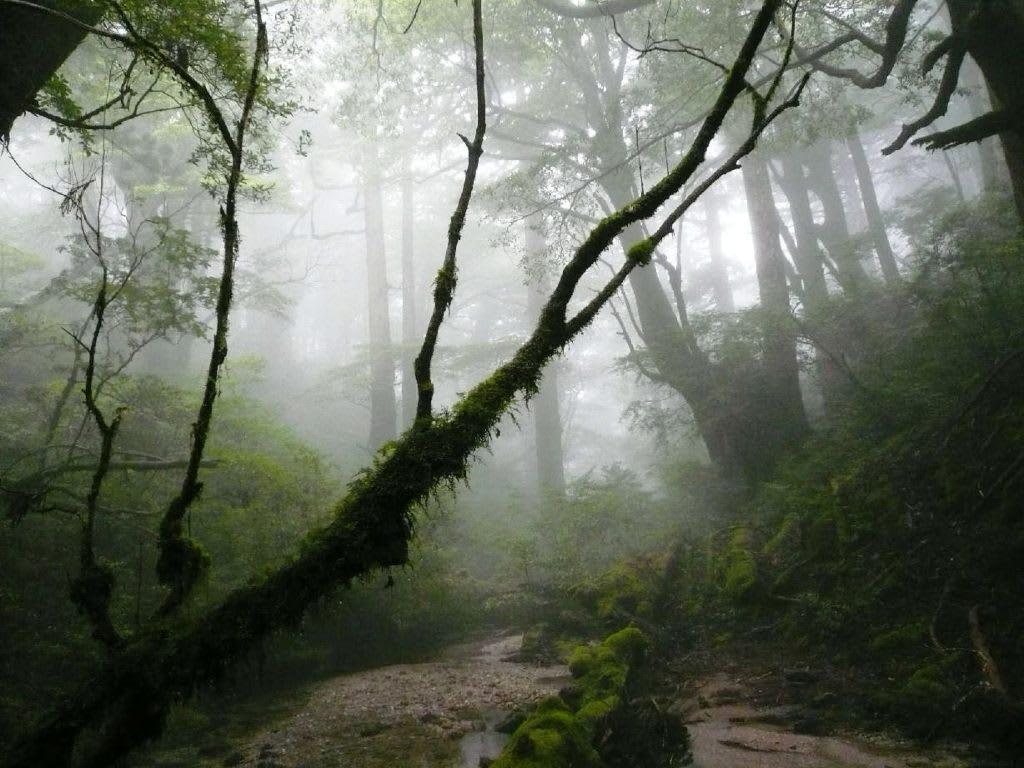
pixel 950 77
pixel 979 128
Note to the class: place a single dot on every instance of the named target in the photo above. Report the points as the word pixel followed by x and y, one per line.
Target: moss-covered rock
pixel 552 737
pixel 562 731
pixel 740 568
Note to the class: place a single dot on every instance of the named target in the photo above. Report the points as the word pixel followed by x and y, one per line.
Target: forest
pixel 512 383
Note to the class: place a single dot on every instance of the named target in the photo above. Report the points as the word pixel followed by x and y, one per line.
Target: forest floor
pixel 761 708
pixel 742 711
pixel 435 714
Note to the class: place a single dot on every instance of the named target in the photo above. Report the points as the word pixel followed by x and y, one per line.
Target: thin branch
pixel 950 77
pixel 989 124
pixel 447 275
pixel 181 561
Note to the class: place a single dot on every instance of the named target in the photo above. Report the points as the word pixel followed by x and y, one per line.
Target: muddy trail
pixel 443 713
pixel 440 713
pixel 731 725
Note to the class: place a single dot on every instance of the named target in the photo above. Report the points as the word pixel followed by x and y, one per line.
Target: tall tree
pixel 547 418
pixel 872 211
pixel 383 409
pixel 410 329
pixel 780 372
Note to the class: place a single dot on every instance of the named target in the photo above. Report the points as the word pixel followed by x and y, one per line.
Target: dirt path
pixel 729 731
pixel 413 715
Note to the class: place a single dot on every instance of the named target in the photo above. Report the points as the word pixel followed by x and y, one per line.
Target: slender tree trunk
pixel 782 400
pixel 547 421
pixel 409 321
pixel 382 367
pixel 876 225
pixel 835 232
pixel 809 263
pixel 847 179
pixel 720 286
pixel 812 273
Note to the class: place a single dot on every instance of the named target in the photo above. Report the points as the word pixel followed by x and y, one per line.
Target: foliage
pixel 874 544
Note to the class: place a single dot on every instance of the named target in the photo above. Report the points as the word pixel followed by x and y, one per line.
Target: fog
pixel 344 344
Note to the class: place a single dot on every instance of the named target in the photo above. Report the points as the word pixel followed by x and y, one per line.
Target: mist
pixel 536 383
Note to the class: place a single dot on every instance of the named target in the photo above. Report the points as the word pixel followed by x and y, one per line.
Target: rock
pixel 234 758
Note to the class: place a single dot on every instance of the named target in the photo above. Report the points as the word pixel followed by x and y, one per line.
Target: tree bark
pixel 876 225
pixel 383 414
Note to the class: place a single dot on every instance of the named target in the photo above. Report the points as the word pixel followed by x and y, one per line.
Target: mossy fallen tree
pixel 579 728
pixel 126 703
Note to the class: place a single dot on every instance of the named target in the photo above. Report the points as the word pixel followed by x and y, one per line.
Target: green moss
pixel 641 251
pixel 628 644
pixel 740 565
pixel 926 685
pixel 903 638
pixel 552 737
pixel 561 732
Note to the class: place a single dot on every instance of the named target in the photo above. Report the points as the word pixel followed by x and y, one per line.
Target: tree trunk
pixel 547 421
pixel 846 178
pixel 994 35
pixel 991 172
pixel 835 232
pixel 382 367
pixel 876 225
pixel 812 274
pixel 409 330
pixel 719 273
pixel 781 400
pixel 33 46
pixel 810 267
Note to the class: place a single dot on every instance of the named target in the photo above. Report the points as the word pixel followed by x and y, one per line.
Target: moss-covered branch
pixel 447 275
